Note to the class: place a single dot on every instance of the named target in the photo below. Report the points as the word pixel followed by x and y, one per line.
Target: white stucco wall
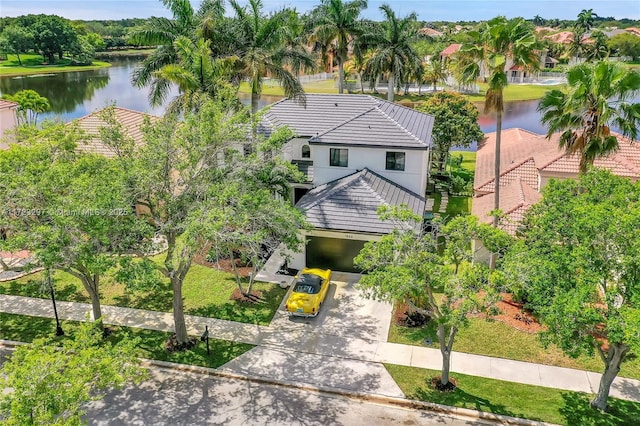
pixel 293 149
pixel 8 122
pixel 298 260
pixel 414 176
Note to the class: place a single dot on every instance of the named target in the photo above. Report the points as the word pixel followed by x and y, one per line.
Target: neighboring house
pixel 527 162
pixel 358 152
pixel 449 51
pixel 8 119
pixel 130 120
pixel 430 32
pixel 633 30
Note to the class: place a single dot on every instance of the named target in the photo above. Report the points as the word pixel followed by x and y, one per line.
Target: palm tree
pixel 197 74
pixel 393 52
pixel 596 98
pixel 585 20
pixel 434 71
pixel 163 32
pixel 264 47
pixel 497 41
pixel 337 23
pixel 598 49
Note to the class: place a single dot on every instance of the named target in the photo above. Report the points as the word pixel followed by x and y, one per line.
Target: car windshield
pixel 309 284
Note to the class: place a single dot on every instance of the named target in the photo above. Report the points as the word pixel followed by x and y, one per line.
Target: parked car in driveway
pixel 308 292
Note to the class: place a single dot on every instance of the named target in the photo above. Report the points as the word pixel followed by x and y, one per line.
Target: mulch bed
pixel 254 297
pixel 221 264
pixel 171 345
pixel 449 387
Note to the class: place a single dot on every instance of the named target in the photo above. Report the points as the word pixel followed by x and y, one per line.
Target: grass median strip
pixel 513 399
pixel 25 328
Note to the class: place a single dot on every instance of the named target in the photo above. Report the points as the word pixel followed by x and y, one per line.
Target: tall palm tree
pixel 497 41
pixel 197 74
pixel 393 52
pixel 264 47
pixel 596 98
pixel 337 23
pixel 585 20
pixel 163 32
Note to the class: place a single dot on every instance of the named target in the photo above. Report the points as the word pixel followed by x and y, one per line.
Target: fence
pixel 315 77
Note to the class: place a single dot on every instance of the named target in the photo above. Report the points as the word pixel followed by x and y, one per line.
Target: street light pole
pixel 59 331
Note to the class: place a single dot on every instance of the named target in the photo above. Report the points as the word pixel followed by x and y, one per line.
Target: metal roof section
pixel 351 120
pixel 385 125
pixel 351 203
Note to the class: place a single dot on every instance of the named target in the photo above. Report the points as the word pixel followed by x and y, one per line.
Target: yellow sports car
pixel 308 292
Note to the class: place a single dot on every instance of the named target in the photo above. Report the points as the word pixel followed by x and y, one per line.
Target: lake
pixel 76 94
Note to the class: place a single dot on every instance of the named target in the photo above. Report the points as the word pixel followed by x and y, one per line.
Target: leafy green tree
pixel 455 123
pixel 265 48
pixel 17 40
pixel 626 45
pixel 50 382
pixel 577 267
pixel 598 96
pixel 497 41
pixel 31 105
pixel 337 24
pixel 52 34
pixel 405 266
pixel 72 211
pixel 393 52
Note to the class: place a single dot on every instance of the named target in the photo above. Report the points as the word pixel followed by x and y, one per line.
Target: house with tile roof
pixel 358 152
pixel 8 119
pixel 527 162
pixel 131 121
pixel 430 32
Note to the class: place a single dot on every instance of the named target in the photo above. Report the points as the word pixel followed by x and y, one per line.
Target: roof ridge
pixel 395 121
pixel 348 120
pixel 331 191
pixel 115 107
pixel 379 176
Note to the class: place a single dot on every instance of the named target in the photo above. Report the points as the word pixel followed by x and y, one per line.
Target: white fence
pixel 315 77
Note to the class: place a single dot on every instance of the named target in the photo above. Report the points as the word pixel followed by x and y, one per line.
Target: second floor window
pixel 338 157
pixel 395 161
pixel 306 151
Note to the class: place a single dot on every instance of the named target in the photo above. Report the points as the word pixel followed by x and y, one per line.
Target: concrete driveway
pixel 344 313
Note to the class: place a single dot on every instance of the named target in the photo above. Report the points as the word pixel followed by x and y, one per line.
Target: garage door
pixel 332 253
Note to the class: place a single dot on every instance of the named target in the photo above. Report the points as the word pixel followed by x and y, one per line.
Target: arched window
pixel 306 151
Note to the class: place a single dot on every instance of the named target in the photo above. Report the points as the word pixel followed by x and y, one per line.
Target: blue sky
pixel 428 10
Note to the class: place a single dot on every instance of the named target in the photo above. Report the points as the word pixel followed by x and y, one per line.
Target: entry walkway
pixel 273 341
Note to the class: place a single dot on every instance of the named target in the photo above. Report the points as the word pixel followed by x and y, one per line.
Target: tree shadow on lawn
pixel 460 398
pixel 33 287
pixel 260 312
pixel 160 299
pixel 577 411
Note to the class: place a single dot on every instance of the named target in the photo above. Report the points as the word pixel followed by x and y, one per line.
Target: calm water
pixel 75 94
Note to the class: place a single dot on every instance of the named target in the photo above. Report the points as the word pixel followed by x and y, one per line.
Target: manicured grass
pixel 272 87
pixel 496 339
pixel 468 159
pixel 206 292
pixel 458 206
pixel 25 328
pixel 517 92
pixel 513 399
pixel 32 64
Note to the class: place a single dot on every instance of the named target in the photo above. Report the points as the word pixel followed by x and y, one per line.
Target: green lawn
pixel 32 64
pixel 206 293
pixel 458 206
pixel 514 399
pixel 518 92
pixel 272 88
pixel 25 328
pixel 468 159
pixel 495 339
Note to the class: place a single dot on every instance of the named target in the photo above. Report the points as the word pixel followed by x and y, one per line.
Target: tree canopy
pixel 577 267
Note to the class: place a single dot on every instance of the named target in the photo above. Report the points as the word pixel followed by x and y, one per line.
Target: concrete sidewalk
pixel 274 345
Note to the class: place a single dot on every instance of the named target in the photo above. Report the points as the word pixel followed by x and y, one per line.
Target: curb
pixel 360 396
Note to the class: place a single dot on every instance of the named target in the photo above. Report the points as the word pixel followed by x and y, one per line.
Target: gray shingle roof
pixel 351 203
pixel 351 120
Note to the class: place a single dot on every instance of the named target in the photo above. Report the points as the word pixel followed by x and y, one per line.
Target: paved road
pixel 180 398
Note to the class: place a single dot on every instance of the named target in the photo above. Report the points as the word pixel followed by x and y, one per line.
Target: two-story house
pixel 358 153
pixel 8 119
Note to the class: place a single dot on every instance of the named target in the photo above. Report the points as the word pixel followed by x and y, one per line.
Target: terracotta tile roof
pixel 4 104
pixel 430 32
pixel 633 30
pixel 563 37
pixel 517 147
pixel 91 124
pixel 451 49
pixel 516 68
pixel 515 199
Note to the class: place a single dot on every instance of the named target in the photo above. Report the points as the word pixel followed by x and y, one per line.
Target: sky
pixel 427 10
